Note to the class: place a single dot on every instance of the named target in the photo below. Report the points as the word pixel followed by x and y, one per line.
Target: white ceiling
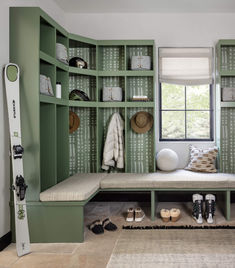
pixel 147 6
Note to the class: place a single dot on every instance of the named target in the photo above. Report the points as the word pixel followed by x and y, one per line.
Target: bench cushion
pixel 79 187
pixel 176 179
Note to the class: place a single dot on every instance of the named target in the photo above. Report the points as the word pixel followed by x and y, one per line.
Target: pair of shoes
pixel 198 208
pixel 98 226
pixel 173 214
pixel 136 214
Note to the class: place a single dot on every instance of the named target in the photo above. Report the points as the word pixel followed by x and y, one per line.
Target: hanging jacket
pixel 114 144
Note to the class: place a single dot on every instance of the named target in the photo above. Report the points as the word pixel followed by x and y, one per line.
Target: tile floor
pixel 97 249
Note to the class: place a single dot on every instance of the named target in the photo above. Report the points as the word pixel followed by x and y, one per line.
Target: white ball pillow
pixel 167 160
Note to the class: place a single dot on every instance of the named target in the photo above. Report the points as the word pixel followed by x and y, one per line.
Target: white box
pixel 140 63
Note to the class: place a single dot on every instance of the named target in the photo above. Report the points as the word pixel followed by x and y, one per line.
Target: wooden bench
pixel 64 203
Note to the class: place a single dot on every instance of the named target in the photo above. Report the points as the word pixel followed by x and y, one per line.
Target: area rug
pixel 194 248
pixel 147 227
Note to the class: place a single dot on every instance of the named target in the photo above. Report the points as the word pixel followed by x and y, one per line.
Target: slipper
pixel 96 227
pixel 108 225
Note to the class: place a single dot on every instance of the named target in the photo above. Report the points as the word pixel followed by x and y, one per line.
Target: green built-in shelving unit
pixel 225 111
pixel 51 153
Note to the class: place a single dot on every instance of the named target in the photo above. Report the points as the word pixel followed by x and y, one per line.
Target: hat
pixel 74 122
pixel 142 122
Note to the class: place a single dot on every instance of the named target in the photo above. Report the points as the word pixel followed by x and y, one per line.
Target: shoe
pixel 210 207
pixel 108 225
pixel 96 227
pixel 175 214
pixel 197 208
pixel 165 214
pixel 139 215
pixel 130 214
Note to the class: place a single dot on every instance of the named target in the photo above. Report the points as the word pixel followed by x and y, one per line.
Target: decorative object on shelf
pixel 45 85
pixel 114 144
pixel 228 94
pixel 78 62
pixel 61 53
pixel 202 160
pixel 140 98
pixel 167 160
pixel 58 90
pixel 112 94
pixel 79 95
pixel 142 122
pixel 74 122
pixel 140 63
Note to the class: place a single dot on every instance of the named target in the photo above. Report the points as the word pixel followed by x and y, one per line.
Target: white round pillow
pixel 167 160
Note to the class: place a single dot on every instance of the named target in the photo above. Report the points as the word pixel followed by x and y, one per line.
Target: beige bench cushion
pixel 76 188
pixel 176 179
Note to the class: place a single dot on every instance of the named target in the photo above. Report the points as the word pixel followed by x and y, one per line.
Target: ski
pixel 11 76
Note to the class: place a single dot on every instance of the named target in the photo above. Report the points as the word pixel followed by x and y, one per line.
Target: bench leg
pixel 153 205
pixel 227 205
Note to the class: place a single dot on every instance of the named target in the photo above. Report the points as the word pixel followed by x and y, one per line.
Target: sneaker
pixel 130 214
pixel 139 214
pixel 210 207
pixel 165 214
pixel 197 208
pixel 175 214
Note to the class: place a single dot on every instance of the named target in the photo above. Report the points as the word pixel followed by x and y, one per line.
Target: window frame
pixel 185 139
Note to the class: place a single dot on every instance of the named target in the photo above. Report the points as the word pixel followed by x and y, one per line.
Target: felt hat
pixel 74 121
pixel 141 122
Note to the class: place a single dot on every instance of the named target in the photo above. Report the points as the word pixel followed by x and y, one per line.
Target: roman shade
pixel 185 66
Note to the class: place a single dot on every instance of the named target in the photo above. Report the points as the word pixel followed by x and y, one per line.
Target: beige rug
pixel 174 248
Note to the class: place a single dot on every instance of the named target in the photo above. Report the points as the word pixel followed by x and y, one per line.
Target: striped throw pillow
pixel 202 160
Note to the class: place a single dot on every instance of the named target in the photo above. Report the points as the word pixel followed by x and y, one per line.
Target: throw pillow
pixel 202 160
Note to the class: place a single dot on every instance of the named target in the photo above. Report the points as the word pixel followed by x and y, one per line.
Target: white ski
pixel 11 75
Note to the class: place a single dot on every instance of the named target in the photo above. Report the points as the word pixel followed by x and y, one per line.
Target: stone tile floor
pixel 97 249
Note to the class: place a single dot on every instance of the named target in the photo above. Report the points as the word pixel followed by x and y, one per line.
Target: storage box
pixel 228 94
pixel 45 85
pixel 112 94
pixel 61 53
pixel 140 63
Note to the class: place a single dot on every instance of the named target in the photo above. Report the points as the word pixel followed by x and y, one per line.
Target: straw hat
pixel 142 122
pixel 74 122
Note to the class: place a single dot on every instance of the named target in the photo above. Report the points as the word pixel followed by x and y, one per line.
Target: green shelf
pixel 126 73
pixel 61 65
pixel 52 100
pixel 228 104
pixel 47 58
pixel 75 70
pixel 82 103
pixel 227 73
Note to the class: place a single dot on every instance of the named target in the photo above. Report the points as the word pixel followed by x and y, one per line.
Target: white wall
pixel 54 11
pixel 169 30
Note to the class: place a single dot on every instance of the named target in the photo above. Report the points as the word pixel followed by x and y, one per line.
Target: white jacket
pixel 114 143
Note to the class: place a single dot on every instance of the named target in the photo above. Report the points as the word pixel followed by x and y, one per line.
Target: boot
pixel 210 207
pixel 197 208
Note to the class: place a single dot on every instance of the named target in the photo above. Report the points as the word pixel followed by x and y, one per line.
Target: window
pixel 186 106
pixel 186 112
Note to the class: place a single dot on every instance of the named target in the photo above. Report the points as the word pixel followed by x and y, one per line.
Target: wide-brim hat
pixel 142 122
pixel 74 122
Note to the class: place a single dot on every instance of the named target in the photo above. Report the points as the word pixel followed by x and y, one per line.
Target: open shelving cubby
pixel 82 142
pixel 111 81
pixel 140 85
pixel 139 147
pixel 111 58
pixel 83 50
pixel 225 109
pixel 47 37
pixel 138 50
pixel 104 116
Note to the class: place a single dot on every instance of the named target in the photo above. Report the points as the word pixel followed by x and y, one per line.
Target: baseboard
pixel 5 241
